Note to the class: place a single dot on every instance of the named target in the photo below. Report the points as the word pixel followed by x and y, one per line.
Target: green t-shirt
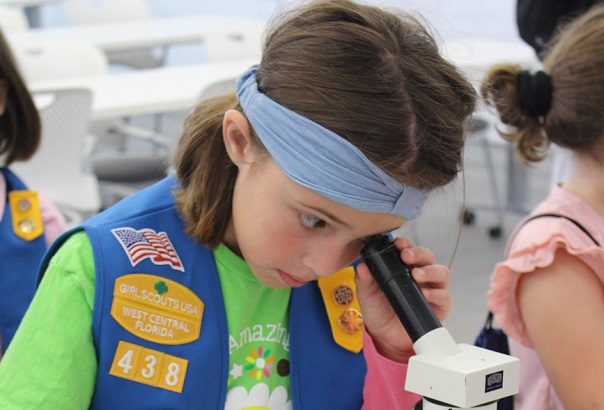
pixel 258 336
pixel 51 362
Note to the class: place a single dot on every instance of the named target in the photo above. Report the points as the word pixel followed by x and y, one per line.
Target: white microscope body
pixel 462 375
pixel 446 374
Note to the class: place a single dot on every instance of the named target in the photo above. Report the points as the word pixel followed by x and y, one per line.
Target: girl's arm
pixel 54 223
pixel 51 361
pixel 385 382
pixel 562 306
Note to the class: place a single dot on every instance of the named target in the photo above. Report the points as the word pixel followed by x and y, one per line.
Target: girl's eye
pixel 311 222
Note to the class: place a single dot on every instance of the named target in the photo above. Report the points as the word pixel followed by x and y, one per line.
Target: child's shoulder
pixel 151 200
pixel 562 217
pixel 563 222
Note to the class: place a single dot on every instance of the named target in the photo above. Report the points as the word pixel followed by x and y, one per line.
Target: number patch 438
pixel 149 367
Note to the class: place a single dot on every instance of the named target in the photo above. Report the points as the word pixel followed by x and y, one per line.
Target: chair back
pixel 57 168
pixel 53 60
pixel 12 18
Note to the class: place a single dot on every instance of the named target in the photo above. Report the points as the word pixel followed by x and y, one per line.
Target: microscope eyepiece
pixel 394 278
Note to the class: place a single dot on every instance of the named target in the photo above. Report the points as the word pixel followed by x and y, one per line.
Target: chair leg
pixel 496 230
pixel 157 123
pixel 123 143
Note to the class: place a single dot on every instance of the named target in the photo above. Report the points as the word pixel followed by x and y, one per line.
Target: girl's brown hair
pixel 373 77
pixel 20 123
pixel 574 63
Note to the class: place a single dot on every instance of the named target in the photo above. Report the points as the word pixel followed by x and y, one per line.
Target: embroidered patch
pixel 25 211
pixel 146 243
pixel 351 321
pixel 157 309
pixel 147 366
pixel 259 363
pixel 343 309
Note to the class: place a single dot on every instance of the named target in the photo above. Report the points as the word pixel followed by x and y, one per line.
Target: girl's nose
pixel 328 256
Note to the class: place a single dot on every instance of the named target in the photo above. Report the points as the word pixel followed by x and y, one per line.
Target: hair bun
pixel 535 91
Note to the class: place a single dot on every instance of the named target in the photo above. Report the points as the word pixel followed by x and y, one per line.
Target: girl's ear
pixel 3 94
pixel 237 137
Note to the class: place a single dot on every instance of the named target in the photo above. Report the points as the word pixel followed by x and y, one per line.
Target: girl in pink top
pixel 548 295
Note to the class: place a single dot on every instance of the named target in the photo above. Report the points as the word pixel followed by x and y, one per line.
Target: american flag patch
pixel 146 243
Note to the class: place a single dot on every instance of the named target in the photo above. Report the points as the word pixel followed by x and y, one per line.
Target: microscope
pixel 447 375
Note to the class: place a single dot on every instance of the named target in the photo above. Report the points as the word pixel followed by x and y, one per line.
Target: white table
pixel 121 36
pixel 176 88
pixel 160 90
pixel 28 3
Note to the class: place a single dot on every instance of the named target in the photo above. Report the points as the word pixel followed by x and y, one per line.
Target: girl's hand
pixel 386 330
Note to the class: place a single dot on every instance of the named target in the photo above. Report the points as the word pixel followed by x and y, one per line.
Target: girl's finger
pixel 418 256
pixel 363 273
pixel 437 276
pixel 402 243
pixel 438 298
pixel 366 285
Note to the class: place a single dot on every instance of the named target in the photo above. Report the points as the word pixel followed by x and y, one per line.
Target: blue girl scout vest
pixel 22 247
pixel 160 328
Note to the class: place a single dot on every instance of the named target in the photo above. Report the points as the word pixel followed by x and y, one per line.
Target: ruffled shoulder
pixel 534 246
pixel 54 223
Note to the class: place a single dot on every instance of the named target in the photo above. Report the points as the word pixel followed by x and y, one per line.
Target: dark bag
pixel 538 20
pixel 492 338
pixel 495 339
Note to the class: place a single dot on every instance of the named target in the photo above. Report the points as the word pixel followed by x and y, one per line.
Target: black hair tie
pixel 535 92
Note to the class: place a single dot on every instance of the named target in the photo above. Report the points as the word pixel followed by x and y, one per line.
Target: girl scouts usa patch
pixel 157 309
pixel 147 244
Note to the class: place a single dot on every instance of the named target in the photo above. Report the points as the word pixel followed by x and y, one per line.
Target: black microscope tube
pixel 395 280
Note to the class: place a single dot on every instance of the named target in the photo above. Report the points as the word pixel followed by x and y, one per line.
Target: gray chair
pixel 59 166
pixel 478 128
pixel 124 172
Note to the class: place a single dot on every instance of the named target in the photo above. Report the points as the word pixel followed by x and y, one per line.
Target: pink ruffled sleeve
pixel 535 246
pixel 54 223
pixel 385 381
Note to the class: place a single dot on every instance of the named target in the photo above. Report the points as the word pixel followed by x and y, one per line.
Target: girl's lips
pixel 289 280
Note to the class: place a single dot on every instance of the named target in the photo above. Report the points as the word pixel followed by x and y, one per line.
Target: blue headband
pixel 321 160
